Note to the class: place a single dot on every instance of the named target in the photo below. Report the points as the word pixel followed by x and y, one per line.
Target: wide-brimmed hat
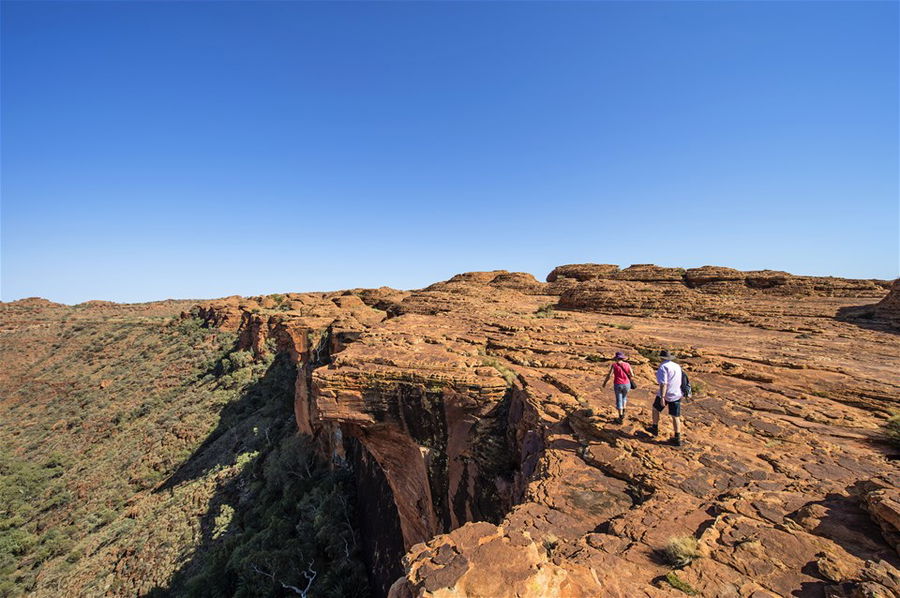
pixel 665 354
pixel 620 355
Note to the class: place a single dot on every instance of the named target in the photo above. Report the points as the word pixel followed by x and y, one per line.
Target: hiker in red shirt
pixel 622 375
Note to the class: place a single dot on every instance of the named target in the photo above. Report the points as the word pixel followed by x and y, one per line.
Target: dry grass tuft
pixel 681 550
pixel 892 429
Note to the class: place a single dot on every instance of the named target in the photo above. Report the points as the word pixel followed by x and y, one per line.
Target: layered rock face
pixel 719 280
pixel 759 298
pixel 889 307
pixel 488 463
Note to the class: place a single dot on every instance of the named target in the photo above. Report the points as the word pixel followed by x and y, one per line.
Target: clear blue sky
pixel 202 149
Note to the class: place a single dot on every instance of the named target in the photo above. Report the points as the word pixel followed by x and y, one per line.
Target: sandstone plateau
pixel 489 465
pixel 486 461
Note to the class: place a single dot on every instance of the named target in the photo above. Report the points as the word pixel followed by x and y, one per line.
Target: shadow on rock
pixel 866 316
pixel 811 589
pixel 842 519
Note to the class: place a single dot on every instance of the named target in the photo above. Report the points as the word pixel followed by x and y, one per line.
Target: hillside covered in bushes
pixel 141 454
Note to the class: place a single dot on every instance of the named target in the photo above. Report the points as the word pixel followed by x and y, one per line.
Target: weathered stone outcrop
pixel 889 307
pixel 481 559
pixel 483 444
pixel 582 272
pixel 520 281
pixel 479 277
pixel 33 302
pixel 718 280
pixel 708 293
pixel 638 298
pixel 882 501
pixel 650 273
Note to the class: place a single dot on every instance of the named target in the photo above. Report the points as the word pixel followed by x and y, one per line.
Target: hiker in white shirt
pixel 669 396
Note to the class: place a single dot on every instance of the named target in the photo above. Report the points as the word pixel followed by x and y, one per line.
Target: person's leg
pixel 621 397
pixel 675 412
pixel 656 410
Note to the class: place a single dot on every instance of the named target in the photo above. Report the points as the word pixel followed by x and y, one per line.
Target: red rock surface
pixel 480 415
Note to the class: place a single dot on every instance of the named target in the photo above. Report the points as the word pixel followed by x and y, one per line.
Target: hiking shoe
pixel 654 430
pixel 620 420
pixel 676 440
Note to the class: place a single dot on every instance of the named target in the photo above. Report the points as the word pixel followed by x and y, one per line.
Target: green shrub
pixel 56 460
pixel 95 521
pixel 190 327
pixel 15 542
pixel 240 359
pixel 676 582
pixel 223 520
pixel 54 543
pixel 242 377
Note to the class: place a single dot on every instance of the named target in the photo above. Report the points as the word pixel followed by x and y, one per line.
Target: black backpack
pixel 685 384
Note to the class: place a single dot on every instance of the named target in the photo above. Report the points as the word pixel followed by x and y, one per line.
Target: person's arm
pixel 663 383
pixel 663 387
pixel 608 374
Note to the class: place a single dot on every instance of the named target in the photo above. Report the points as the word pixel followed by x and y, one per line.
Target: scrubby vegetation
pixel 75 433
pixel 285 520
pixel 545 311
pixel 27 489
pixel 650 354
pixel 697 386
pixel 509 375
pixel 143 451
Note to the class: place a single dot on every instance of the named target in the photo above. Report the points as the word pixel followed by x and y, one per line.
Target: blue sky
pixel 203 149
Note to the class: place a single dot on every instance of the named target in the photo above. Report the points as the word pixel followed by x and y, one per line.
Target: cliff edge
pixel 487 461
